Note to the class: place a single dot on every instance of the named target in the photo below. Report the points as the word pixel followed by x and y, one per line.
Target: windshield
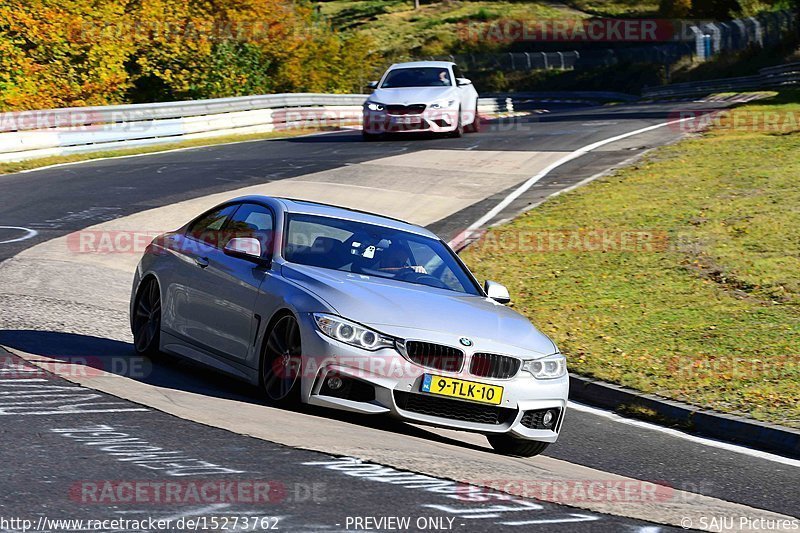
pixel 417 77
pixel 372 250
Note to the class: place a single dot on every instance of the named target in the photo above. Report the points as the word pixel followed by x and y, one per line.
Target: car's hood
pixel 416 311
pixel 413 95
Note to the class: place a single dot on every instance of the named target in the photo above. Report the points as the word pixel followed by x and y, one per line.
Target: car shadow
pixel 170 372
pixel 355 136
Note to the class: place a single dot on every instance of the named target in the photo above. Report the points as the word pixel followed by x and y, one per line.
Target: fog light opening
pixel 547 419
pixel 336 383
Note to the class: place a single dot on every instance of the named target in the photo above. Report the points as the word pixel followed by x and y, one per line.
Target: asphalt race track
pixel 314 470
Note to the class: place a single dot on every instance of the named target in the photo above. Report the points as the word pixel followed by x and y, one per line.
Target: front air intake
pixel 489 365
pixel 436 356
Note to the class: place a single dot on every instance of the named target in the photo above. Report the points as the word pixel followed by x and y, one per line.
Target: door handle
pixel 202 262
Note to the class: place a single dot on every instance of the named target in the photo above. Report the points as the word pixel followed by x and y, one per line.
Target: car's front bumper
pixel 397 384
pixel 436 121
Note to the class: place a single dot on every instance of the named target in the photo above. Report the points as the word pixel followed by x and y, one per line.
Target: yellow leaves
pixel 55 54
pixel 57 58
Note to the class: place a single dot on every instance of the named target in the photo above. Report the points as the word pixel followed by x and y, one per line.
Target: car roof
pixel 308 207
pixel 411 64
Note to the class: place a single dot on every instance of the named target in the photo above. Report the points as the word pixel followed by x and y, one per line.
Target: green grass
pixel 8 168
pixel 400 32
pixel 711 318
pixel 617 8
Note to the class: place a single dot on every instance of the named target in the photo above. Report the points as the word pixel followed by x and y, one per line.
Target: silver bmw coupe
pixel 350 310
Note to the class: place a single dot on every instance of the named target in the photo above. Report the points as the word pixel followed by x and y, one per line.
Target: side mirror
pixel 496 292
pixel 372 85
pixel 463 81
pixel 248 248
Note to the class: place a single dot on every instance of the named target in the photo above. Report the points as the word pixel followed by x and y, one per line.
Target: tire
pixel 370 137
pixel 459 131
pixel 281 363
pixel 508 445
pixel 146 324
pixel 475 125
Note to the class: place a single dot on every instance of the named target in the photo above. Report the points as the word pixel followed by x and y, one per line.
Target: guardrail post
pixel 561 56
pixel 699 43
pixel 741 39
pixel 727 36
pixel 758 34
pixel 528 58
pixel 544 57
pixel 716 37
pixel 511 56
pixel 773 27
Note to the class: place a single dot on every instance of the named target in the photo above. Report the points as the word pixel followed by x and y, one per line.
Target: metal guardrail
pixel 80 116
pixel 42 133
pixel 767 78
pixel 659 53
pixel 51 132
pixel 565 96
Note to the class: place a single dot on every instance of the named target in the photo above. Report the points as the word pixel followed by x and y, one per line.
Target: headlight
pixel 373 106
pixel 552 367
pixel 351 333
pixel 442 104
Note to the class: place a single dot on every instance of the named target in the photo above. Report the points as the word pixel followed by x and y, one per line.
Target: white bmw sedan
pixel 421 96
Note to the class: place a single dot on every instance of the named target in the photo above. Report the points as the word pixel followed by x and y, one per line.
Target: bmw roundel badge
pixel 465 341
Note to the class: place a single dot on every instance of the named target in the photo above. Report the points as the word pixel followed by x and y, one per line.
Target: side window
pixel 317 244
pixel 252 220
pixel 207 228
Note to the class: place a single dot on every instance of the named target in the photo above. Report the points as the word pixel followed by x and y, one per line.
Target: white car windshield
pixel 417 77
pixel 372 250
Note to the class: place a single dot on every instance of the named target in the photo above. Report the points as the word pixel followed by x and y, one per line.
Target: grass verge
pixel 8 168
pixel 701 303
pixel 399 31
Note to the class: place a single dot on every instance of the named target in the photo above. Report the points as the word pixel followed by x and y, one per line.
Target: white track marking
pixel 545 171
pixel 581 183
pixel 29 234
pixel 686 436
pixel 575 518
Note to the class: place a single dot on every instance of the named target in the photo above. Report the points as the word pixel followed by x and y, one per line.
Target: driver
pixel 396 258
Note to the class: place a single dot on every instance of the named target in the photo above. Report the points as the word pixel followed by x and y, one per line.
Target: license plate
pixel 459 388
pixel 406 120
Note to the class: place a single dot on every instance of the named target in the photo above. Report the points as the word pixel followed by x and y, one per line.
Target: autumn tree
pixel 79 52
pixel 56 53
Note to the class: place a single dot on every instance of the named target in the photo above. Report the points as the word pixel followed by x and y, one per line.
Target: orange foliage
pixel 56 53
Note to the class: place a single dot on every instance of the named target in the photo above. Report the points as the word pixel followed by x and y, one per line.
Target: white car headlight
pixel 373 106
pixel 551 367
pixel 351 333
pixel 443 104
